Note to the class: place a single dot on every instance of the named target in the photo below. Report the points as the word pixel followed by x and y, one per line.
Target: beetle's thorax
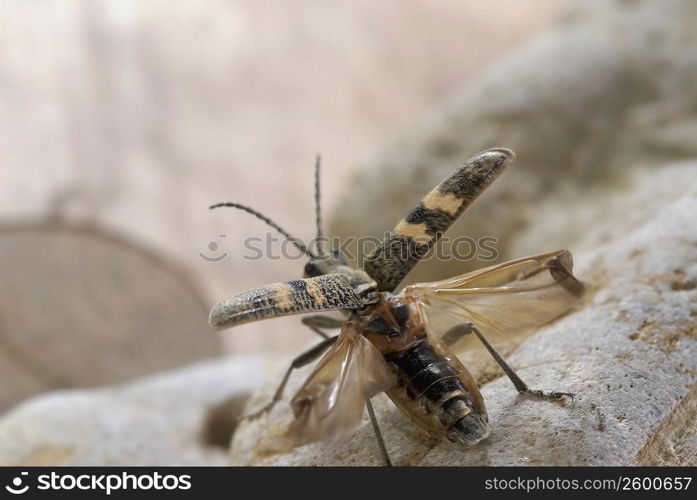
pixel 390 323
pixel 334 263
pixel 433 388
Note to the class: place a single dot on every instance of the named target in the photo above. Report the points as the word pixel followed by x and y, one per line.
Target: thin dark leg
pixel 378 434
pixel 302 360
pixel 521 386
pixel 318 322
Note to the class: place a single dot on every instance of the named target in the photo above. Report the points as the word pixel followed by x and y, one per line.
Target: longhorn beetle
pixel 388 342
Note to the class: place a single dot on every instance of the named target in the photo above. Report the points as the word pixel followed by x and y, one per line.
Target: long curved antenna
pixel 258 215
pixel 318 208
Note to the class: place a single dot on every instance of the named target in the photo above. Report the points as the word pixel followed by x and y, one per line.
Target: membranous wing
pixel 331 401
pixel 503 300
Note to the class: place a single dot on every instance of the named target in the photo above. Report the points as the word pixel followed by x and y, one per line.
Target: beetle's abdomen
pixel 438 393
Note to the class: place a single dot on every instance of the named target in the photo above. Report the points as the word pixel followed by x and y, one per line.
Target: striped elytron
pixel 388 342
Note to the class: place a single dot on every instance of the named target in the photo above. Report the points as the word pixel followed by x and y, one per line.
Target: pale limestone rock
pixel 158 420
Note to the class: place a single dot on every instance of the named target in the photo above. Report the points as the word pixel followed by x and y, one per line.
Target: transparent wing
pixel 331 401
pixel 503 301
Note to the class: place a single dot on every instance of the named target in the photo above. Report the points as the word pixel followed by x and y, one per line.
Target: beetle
pixel 388 341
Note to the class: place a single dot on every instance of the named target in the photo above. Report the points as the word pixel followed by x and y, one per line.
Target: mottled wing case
pixel 419 230
pixel 328 292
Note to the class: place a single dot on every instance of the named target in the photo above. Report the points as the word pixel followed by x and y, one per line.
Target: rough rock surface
pixel 629 353
pixel 158 420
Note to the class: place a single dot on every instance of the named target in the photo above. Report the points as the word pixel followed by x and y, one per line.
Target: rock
pixel 157 420
pixel 629 353
pixel 80 307
pixel 583 220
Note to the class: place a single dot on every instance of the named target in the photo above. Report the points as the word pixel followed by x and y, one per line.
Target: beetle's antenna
pixel 318 208
pixel 258 215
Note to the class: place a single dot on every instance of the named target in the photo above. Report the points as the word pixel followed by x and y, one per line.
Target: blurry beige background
pixel 124 120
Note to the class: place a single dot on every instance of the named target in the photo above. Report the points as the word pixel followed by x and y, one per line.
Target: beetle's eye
pixel 336 255
pixel 311 269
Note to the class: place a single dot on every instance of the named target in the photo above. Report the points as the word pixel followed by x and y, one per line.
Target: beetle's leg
pixel 456 333
pixel 302 360
pixel 378 434
pixel 521 386
pixel 319 322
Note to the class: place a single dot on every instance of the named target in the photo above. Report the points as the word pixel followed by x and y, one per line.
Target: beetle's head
pixel 324 264
pixel 334 262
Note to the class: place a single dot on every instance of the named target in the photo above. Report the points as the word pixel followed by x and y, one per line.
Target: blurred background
pixel 122 121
